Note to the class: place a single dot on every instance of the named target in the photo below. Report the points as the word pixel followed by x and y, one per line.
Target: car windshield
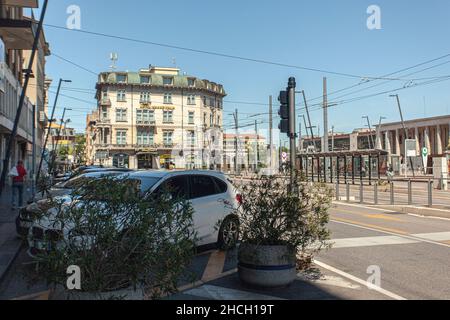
pixel 145 183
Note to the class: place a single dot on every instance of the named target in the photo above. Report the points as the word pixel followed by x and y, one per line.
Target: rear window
pixel 202 186
pixel 146 183
pixel 220 186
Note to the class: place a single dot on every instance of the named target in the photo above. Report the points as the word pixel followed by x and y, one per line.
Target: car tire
pixel 228 233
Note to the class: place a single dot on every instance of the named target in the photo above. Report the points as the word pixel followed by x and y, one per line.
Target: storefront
pixel 147 159
pixel 121 160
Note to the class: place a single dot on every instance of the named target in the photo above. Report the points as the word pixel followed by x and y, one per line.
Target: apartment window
pixel 211 102
pixel 145 138
pixel 191 117
pixel 121 137
pixel 105 94
pixel 145 97
pixel 145 116
pixel 121 95
pixel 167 98
pixel 191 99
pixel 218 120
pixel 168 138
pixel 168 116
pixel 191 82
pixel 168 81
pixel 191 138
pixel 204 119
pixel 145 79
pixel 211 119
pixel 104 113
pixel 204 101
pixel 121 78
pixel 121 115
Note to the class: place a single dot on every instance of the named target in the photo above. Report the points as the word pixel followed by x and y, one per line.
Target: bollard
pixel 409 192
pixel 348 192
pixel 430 193
pixel 361 193
pixel 392 193
pixel 337 191
pixel 375 195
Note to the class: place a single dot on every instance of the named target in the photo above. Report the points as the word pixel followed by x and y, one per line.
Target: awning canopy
pixel 17 34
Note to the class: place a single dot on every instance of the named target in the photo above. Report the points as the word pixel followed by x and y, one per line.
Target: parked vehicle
pixel 211 194
pixel 30 213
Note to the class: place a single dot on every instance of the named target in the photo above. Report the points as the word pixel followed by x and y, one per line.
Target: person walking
pixel 18 174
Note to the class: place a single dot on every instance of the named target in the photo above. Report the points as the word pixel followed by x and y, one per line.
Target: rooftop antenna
pixel 113 57
pixel 174 62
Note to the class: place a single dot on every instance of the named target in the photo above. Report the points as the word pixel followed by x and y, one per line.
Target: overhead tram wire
pixel 219 54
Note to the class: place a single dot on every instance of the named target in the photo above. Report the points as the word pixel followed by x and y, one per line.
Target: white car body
pixel 208 209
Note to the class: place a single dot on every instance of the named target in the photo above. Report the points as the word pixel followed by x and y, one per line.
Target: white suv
pixel 211 194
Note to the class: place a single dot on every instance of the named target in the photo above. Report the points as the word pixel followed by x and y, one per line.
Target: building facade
pixel 154 118
pixel 430 133
pixel 16 41
pixel 251 154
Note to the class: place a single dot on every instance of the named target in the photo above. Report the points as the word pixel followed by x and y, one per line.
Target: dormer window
pixel 191 82
pixel 121 78
pixel 168 81
pixel 145 79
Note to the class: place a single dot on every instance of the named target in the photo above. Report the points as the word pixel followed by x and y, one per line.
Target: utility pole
pixel 300 146
pixel 33 171
pixel 404 129
pixel 270 132
pixel 257 147
pixel 44 147
pixel 236 147
pixel 309 119
pixel 370 132
pixel 378 139
pixel 326 147
pixel 28 72
pixel 332 138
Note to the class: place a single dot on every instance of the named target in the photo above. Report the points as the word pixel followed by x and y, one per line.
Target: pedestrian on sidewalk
pixel 18 174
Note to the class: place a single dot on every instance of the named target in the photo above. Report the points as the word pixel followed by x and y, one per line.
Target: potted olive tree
pixel 280 230
pixel 126 244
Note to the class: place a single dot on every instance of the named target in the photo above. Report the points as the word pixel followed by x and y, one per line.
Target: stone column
pixel 397 142
pixel 438 140
pixel 387 146
pixel 378 144
pixel 426 139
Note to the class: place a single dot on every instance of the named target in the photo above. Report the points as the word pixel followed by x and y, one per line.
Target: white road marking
pixel 392 233
pixel 436 236
pixel 357 280
pixel 370 241
pixel 221 293
pixel 332 281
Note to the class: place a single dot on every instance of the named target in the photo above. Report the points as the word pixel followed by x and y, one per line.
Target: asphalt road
pixel 412 253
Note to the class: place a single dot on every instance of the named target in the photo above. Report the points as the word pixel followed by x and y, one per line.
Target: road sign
pixel 284 157
pixel 424 152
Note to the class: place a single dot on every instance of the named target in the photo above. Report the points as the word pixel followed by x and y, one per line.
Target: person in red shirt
pixel 18 184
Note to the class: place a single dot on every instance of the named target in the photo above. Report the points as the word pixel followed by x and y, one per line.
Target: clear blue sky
pixel 323 34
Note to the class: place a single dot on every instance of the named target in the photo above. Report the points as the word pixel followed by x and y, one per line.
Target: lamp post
pixel 49 127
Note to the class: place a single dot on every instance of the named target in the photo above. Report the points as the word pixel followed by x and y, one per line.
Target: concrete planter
pixel 266 266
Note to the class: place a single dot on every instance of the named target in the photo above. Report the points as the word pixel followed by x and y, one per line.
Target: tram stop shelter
pixel 343 166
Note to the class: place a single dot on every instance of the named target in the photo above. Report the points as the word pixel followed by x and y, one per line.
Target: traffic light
pixel 284 112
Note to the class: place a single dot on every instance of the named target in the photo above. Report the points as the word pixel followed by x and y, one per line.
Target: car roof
pixel 166 173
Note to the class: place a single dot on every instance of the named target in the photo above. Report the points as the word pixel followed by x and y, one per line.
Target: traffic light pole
pixel 292 127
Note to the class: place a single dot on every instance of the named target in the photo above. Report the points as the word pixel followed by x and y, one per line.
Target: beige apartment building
pixel 154 118
pixel 16 41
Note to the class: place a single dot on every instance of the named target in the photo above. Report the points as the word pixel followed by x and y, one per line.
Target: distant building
pixel 154 118
pixel 359 139
pixel 250 148
pixel 432 133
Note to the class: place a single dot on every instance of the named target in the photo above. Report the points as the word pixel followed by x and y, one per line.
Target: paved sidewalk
pixel 10 243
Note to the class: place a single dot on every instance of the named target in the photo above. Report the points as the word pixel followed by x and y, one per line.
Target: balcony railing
pixel 145 122
pixel 105 102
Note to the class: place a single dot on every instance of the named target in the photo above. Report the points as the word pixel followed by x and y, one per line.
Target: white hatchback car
pixel 211 194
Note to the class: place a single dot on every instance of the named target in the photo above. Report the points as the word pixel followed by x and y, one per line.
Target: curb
pixel 15 252
pixel 421 211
